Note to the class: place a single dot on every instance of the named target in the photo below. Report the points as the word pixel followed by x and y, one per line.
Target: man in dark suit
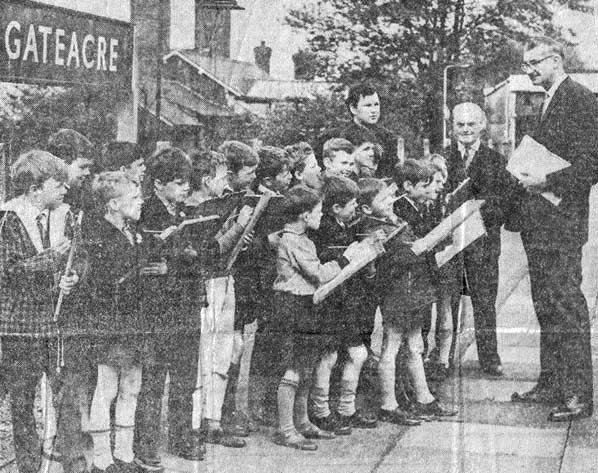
pixel 363 103
pixel 553 235
pixel 469 158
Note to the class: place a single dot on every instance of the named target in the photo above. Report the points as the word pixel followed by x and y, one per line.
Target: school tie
pixel 43 226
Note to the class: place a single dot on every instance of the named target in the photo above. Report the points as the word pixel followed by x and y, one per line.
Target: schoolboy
pixel 172 304
pixel 409 292
pixel 338 158
pixel 294 327
pixel 112 290
pixel 367 159
pixel 123 156
pixel 30 257
pixel 345 324
pixel 242 162
pixel 209 180
pixel 304 166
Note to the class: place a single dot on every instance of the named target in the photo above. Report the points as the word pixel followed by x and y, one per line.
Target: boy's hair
pixel 336 144
pixel 378 152
pixel 438 163
pixel 205 163
pixel 119 153
pixel 369 188
pixel 298 153
pixel 358 91
pixel 169 164
pixel 69 145
pixel 338 190
pixel 299 199
pixel 109 185
pixel 414 171
pixel 238 155
pixel 35 167
pixel 273 161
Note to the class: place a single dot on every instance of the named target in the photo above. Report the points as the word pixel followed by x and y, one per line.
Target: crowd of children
pixel 141 304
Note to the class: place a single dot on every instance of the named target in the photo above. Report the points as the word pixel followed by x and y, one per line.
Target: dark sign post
pixel 50 45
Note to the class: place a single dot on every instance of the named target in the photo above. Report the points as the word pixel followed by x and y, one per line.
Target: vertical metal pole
pixel 159 55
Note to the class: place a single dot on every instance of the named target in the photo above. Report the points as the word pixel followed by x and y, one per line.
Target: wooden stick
pixel 69 264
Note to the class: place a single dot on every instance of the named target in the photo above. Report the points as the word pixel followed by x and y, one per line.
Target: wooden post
pixel 400 150
pixel 426 147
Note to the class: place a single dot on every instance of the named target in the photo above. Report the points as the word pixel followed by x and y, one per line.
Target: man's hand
pixel 68 282
pixel 166 233
pixel 244 215
pixel 62 247
pixel 155 269
pixel 533 184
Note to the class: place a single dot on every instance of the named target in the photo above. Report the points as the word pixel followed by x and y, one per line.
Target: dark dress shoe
pixel 359 420
pixel 399 417
pixel 331 424
pixel 149 463
pixel 295 440
pixel 192 448
pixel 125 467
pixel 435 409
pixel 535 395
pixel 220 437
pixel 573 409
pixel 312 432
pixel 494 370
pixel 236 430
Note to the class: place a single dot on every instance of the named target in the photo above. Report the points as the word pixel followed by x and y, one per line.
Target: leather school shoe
pixel 149 464
pixel 535 395
pixel 312 432
pixel 192 448
pixel 331 424
pixel 434 408
pixel 220 437
pixel 295 440
pixel 573 409
pixel 125 467
pixel 399 417
pixel 493 369
pixel 358 420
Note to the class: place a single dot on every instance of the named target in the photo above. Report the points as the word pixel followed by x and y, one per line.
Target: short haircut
pixel 356 92
pixel 109 185
pixel 438 163
pixel 273 161
pixel 69 145
pixel 369 188
pixel 414 171
pixel 299 199
pixel 378 152
pixel 238 155
pixel 551 45
pixel 338 190
pixel 35 167
pixel 119 153
pixel 334 145
pixel 298 152
pixel 205 164
pixel 169 164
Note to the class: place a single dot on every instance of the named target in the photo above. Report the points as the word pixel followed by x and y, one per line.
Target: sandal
pixel 295 440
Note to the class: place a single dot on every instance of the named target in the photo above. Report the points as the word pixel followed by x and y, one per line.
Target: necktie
pixel 468 155
pixel 43 226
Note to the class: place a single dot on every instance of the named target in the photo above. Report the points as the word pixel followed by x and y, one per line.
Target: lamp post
pixel 445 111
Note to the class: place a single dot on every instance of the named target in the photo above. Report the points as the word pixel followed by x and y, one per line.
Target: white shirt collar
pixel 28 214
pixel 413 204
pixel 475 147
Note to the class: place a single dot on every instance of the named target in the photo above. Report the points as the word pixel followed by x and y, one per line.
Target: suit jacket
pixel 490 181
pixel 568 128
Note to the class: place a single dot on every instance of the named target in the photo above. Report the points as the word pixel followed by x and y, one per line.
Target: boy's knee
pixel 358 354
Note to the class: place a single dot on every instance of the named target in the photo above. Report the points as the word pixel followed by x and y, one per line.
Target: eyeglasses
pixel 529 65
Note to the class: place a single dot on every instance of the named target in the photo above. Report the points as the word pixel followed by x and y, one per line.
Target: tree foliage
pixel 407 44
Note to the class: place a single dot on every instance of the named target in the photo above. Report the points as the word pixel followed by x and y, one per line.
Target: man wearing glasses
pixel 553 235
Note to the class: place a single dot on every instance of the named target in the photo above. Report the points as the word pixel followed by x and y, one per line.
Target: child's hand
pixel 61 247
pixel 418 246
pixel 247 239
pixel 244 215
pixel 68 282
pixel 379 235
pixel 166 233
pixel 190 252
pixel 155 269
pixel 353 251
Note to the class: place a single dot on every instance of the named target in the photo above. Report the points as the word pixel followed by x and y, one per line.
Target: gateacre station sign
pixel 46 44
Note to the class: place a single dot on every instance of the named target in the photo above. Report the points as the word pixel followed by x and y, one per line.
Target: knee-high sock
pixel 126 403
pixel 99 415
pixel 444 322
pixel 350 379
pixel 387 368
pixel 321 385
pixel 415 366
pixel 286 404
pixel 301 417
